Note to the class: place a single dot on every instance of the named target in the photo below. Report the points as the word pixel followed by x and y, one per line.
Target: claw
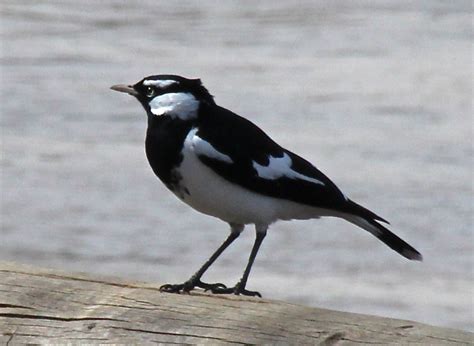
pixel 250 293
pixel 169 288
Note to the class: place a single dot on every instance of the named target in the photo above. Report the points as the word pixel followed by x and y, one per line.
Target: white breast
pixel 211 194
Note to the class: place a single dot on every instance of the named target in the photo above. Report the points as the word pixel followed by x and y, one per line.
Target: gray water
pixel 378 95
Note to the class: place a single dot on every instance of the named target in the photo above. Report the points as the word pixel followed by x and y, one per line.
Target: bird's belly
pixel 206 191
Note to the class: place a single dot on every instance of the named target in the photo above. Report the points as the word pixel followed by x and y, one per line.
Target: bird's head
pixel 168 95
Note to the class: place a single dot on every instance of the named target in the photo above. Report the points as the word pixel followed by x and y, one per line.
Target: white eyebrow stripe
pixel 159 83
pixel 204 148
pixel 281 167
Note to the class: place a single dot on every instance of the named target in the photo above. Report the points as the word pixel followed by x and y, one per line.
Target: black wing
pixel 247 146
pixel 241 144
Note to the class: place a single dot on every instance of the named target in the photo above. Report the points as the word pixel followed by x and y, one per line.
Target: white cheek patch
pixel 279 167
pixel 177 105
pixel 162 84
pixel 201 147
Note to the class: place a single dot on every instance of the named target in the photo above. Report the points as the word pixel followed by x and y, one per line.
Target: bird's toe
pixel 237 290
pixel 171 288
pixel 245 292
pixel 210 287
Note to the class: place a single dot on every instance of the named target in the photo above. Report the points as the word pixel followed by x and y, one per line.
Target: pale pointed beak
pixel 124 89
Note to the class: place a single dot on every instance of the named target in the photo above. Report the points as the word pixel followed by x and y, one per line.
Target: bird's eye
pixel 150 91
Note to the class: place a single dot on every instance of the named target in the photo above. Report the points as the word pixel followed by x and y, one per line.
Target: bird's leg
pixel 239 288
pixel 195 280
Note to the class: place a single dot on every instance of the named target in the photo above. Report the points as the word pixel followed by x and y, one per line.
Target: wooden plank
pixel 49 306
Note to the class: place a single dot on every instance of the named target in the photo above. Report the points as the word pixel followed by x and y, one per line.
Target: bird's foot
pixel 189 285
pixel 237 290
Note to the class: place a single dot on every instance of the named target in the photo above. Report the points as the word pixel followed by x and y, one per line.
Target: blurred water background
pixel 378 95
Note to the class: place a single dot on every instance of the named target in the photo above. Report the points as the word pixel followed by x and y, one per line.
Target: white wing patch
pixel 281 167
pixel 159 83
pixel 178 105
pixel 201 147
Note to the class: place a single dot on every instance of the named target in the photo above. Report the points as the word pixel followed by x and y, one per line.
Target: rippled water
pixel 378 96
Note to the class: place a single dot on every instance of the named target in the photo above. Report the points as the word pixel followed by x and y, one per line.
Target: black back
pixel 244 142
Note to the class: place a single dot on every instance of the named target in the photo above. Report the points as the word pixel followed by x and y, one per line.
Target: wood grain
pixel 49 306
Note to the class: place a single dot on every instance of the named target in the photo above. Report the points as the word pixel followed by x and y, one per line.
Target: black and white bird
pixel 223 165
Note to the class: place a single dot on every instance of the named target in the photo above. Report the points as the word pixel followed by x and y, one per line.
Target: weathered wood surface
pixel 48 306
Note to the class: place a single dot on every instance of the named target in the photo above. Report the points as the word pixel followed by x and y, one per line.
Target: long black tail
pixel 367 220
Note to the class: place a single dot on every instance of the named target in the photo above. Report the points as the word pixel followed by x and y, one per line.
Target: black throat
pixel 163 145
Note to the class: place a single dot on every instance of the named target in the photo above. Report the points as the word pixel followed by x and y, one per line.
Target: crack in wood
pixel 145 302
pixel 31 325
pixel 2 305
pixel 85 338
pixel 41 336
pixel 235 329
pixel 332 339
pixel 364 342
pixel 23 334
pixel 360 326
pixel 112 305
pixel 10 338
pixel 55 318
pixel 167 342
pixel 446 339
pixel 177 334
pixel 75 278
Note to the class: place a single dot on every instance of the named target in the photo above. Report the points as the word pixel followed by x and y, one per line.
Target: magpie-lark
pixel 225 166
